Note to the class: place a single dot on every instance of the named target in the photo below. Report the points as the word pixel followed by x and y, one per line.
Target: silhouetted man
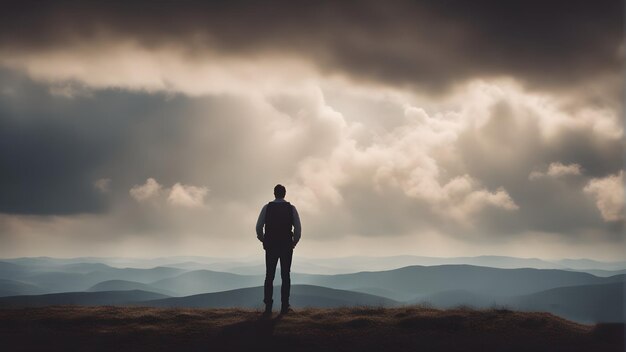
pixel 278 217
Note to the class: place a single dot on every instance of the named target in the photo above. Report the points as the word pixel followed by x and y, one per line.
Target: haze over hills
pixel 561 291
pixel 13 288
pixel 424 280
pixel 201 281
pixel 603 273
pixel 584 304
pixel 403 283
pixel 57 280
pixel 125 285
pixel 11 270
pixel 301 296
pixel 255 265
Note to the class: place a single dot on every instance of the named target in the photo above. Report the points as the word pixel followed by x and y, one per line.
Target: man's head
pixel 279 191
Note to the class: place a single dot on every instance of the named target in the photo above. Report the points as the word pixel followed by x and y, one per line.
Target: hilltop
pixel 64 328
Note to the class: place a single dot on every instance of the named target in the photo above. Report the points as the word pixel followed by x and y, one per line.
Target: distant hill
pixel 189 266
pixel 125 285
pixel 11 271
pixel 301 296
pixel 134 274
pixel 59 281
pixel 257 267
pixel 297 267
pixel 602 273
pixel 14 288
pixel 79 298
pixel 426 280
pixel 81 279
pixel 203 281
pixel 83 267
pixel 50 262
pixel 586 304
pixel 361 263
pixel 591 264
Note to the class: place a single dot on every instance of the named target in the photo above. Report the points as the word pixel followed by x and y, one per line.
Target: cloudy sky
pixel 437 128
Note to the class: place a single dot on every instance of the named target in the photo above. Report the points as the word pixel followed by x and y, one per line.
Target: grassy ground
pixel 68 328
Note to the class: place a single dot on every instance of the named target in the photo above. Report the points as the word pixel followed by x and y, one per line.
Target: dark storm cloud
pixel 427 44
pixel 53 148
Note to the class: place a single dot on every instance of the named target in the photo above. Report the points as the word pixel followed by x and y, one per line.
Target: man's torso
pixel 278 224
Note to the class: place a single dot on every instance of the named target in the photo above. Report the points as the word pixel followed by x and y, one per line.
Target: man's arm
pixel 259 224
pixel 297 226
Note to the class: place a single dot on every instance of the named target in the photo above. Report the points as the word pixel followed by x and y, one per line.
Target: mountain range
pixel 569 293
pixel 341 265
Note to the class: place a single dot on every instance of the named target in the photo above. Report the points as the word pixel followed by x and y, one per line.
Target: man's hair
pixel 280 191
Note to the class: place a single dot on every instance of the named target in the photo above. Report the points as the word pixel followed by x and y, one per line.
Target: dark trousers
pixel 272 256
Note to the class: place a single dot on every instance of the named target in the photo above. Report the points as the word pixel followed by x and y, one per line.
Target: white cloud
pixel 187 196
pixel 148 190
pixel 406 158
pixel 179 195
pixel 103 185
pixel 609 195
pixel 556 170
pixel 463 198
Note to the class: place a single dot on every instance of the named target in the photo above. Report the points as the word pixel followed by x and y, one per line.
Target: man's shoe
pixel 284 309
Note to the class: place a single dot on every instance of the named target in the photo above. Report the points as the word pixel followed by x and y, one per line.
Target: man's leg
pixel 285 269
pixel 271 259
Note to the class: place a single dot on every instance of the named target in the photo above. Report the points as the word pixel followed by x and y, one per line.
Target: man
pixel 278 217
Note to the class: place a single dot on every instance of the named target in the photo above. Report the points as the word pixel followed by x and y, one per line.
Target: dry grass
pixel 70 328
